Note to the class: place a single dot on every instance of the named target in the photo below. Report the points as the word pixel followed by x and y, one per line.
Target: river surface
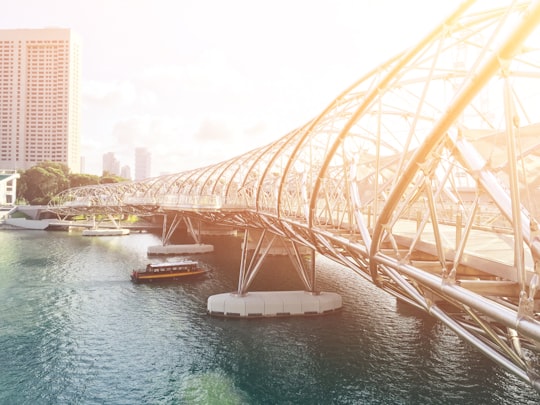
pixel 75 330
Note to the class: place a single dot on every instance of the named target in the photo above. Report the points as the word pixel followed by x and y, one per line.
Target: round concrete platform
pixel 273 303
pixel 179 249
pixel 105 232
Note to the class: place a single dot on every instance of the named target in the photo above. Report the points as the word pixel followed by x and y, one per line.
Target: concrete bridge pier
pixel 243 303
pixel 116 230
pixel 168 230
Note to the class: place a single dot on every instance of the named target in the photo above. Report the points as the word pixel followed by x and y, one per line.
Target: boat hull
pixel 150 278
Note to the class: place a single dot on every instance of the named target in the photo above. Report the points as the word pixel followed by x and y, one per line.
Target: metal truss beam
pixel 421 177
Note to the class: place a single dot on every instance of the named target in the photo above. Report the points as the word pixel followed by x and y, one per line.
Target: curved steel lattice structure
pixel 421 177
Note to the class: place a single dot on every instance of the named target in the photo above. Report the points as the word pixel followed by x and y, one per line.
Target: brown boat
pixel 168 271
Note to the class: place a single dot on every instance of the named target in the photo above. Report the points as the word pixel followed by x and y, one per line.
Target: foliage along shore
pixel 39 184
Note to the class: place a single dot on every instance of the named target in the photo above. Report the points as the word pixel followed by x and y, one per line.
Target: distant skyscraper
pixel 125 172
pixel 143 163
pixel 111 165
pixel 39 98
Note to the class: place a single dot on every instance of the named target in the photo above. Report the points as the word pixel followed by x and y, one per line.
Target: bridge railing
pixel 140 201
pixel 189 202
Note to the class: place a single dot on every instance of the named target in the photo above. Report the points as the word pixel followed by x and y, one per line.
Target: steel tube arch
pixel 403 179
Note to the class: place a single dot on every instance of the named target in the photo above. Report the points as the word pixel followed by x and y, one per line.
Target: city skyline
pixel 196 87
pixel 142 164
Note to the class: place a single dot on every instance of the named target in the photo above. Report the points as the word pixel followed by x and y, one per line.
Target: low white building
pixel 8 187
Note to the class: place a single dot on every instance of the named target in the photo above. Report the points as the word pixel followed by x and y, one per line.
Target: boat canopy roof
pixel 173 264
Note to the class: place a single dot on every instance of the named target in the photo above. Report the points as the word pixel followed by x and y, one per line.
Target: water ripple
pixel 74 329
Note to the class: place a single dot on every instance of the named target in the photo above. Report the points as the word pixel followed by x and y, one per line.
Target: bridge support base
pixel 273 304
pixel 105 232
pixel 179 249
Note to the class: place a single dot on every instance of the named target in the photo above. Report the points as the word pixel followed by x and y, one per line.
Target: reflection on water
pixel 74 329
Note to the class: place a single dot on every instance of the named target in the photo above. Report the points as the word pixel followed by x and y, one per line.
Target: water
pixel 75 330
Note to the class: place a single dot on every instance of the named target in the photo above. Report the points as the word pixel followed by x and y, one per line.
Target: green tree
pixel 39 184
pixel 80 179
pixel 42 181
pixel 110 178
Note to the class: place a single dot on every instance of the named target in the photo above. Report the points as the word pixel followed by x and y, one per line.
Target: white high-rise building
pixel 39 98
pixel 143 162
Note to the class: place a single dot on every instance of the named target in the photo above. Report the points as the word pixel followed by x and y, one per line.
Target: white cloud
pixel 118 94
pixel 212 130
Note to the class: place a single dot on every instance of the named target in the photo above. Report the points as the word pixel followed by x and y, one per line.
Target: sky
pixel 201 81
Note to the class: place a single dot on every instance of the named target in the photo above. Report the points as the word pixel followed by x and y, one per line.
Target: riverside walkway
pixel 421 177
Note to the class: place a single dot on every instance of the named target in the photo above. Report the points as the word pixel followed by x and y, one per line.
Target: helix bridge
pixel 422 177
